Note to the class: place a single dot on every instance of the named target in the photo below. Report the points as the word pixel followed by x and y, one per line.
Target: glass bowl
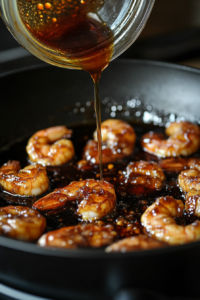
pixel 124 18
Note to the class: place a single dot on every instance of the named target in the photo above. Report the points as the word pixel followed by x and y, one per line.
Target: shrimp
pixel 189 182
pixel 192 203
pixel 144 174
pixel 134 243
pixel 96 199
pixel 184 139
pixel 79 236
pixel 189 179
pixel 30 181
pixel 159 222
pixel 179 164
pixel 48 148
pixel 22 223
pixel 118 139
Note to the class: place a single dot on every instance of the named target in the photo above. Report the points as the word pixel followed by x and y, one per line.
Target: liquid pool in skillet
pixel 129 208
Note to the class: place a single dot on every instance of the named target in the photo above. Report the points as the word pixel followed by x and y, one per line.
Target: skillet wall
pixel 43 97
pixel 38 98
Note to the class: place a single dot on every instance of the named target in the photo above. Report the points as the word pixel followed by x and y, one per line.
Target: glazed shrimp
pixel 95 199
pixel 144 174
pixel 184 139
pixel 22 223
pixel 189 182
pixel 189 179
pixel 30 181
pixel 179 164
pixel 134 243
pixel 159 222
pixel 48 147
pixel 79 236
pixel 192 203
pixel 118 139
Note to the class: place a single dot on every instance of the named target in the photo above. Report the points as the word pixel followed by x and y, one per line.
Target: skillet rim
pixel 97 253
pixel 118 60
pixel 91 253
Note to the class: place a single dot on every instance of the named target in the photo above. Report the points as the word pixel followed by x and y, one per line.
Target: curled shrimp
pixel 184 139
pixel 96 199
pixel 30 181
pixel 189 179
pixel 79 236
pixel 159 222
pixel 22 223
pixel 118 140
pixel 134 243
pixel 179 164
pixel 143 175
pixel 48 147
pixel 192 203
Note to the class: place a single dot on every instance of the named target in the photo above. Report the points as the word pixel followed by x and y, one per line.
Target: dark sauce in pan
pixel 129 207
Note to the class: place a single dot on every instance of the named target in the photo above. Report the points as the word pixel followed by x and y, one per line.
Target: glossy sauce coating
pixel 189 183
pixel 96 199
pixel 189 179
pixel 30 181
pixel 192 203
pixel 21 223
pixel 143 177
pixel 79 236
pixel 159 221
pixel 129 207
pixel 134 243
pixel 118 141
pixel 184 139
pixel 51 146
pixel 179 164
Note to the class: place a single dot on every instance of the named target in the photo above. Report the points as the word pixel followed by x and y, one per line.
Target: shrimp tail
pixel 50 202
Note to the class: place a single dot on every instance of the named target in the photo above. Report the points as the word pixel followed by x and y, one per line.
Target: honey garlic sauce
pixel 72 30
pixel 125 218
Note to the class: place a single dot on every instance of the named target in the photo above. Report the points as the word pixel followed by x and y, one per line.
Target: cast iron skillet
pixel 38 97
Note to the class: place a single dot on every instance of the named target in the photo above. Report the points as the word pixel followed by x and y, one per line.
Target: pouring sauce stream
pixel 75 37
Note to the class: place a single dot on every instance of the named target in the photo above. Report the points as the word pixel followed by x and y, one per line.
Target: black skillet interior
pixel 40 97
pixel 37 98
